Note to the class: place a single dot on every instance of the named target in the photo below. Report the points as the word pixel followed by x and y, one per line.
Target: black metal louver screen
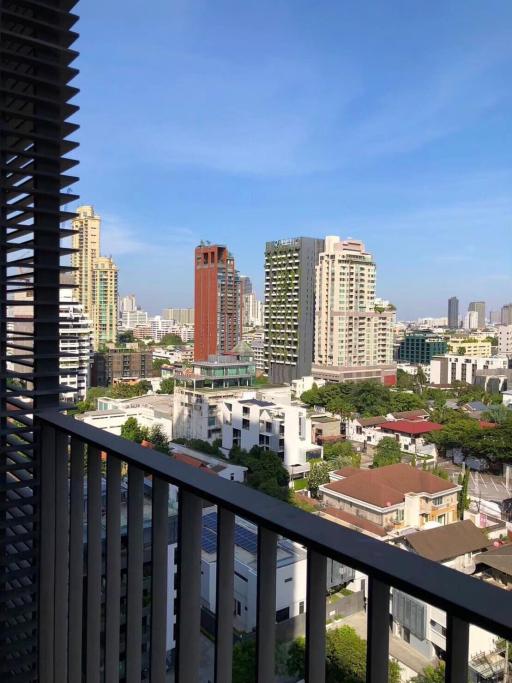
pixel 35 72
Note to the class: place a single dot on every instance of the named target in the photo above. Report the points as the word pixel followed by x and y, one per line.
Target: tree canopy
pixel 342 453
pixel 171 340
pixel 345 654
pixel 318 475
pixel 431 674
pixel 265 471
pixel 387 452
pixel 166 386
pixel 364 398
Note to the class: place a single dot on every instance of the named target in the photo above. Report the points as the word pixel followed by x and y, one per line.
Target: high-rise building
pixel 75 347
pixel 127 304
pixel 495 317
pixel 453 313
pixel 290 307
pixel 252 311
pixel 506 314
pixel 86 241
pixel 184 316
pixel 245 285
pixel 104 302
pixel 217 315
pixel 471 321
pixel 353 340
pixel 479 308
pixel 130 319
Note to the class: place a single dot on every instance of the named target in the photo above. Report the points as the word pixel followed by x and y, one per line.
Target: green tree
pixel 431 674
pixel 404 380
pixel 171 340
pixel 318 475
pixel 122 390
pixel 244 661
pixel 343 453
pixel 462 496
pixel 499 414
pixel 341 406
pixel 387 452
pixel 345 658
pixel 91 400
pixel 133 431
pixel 166 386
pixel 402 401
pixel 158 363
pixel 265 471
pixel 158 438
pixel 126 337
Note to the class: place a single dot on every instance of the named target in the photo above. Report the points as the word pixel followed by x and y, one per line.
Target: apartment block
pixel 75 346
pixel 217 308
pixel 284 429
pixel 104 302
pixel 353 339
pixel 469 346
pixel 504 334
pixel 447 369
pixel 184 316
pixel 290 307
pixel 121 365
pixel 86 242
pixel 419 348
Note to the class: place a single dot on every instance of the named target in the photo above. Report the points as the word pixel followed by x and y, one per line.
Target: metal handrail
pixel 459 595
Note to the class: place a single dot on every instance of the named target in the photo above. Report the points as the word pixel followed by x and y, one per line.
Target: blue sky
pixel 241 121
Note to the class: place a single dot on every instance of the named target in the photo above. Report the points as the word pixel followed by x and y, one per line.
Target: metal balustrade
pixel 79 629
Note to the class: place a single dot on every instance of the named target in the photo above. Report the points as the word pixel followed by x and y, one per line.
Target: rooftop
pixel 411 415
pixel 257 402
pixel 411 426
pixel 449 541
pixel 387 486
pixel 355 522
pixel 497 558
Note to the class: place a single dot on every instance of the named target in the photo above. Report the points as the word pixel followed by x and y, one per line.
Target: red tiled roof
pixel 386 486
pixel 193 462
pixel 347 471
pixel 486 425
pixel 410 427
pixel 355 521
pixel 371 421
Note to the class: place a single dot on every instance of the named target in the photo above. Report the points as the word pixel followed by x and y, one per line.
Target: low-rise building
pixel 470 347
pixel 393 497
pixel 121 365
pixel 504 333
pixel 445 370
pixel 419 348
pixel 291 572
pixel 149 411
pixel 284 429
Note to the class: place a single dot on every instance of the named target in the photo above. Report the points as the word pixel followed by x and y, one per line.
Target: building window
pixel 246 411
pixel 438 501
pixel 237 608
pixel 301 607
pixel 290 578
pixel 246 424
pixel 282 614
pixel 399 516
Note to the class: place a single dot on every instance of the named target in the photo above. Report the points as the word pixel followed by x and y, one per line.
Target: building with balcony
pixel 353 339
pixel 445 370
pixel 290 307
pixel 393 497
pixel 89 589
pixel 419 348
pixel 121 365
pixel 284 429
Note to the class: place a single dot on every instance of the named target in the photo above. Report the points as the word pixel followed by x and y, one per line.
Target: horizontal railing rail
pixel 465 599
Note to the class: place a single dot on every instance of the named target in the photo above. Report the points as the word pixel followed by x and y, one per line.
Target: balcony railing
pixel 80 609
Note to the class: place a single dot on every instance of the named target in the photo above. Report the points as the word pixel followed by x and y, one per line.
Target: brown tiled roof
pixel 371 421
pixel 355 521
pixel 347 471
pixel 411 426
pixel 193 462
pixel 410 415
pixel 497 558
pixel 449 541
pixel 388 485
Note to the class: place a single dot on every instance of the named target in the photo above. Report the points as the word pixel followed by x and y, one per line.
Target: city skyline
pixel 258 130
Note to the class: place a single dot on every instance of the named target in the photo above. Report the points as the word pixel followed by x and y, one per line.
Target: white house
pixel 291 573
pixel 447 369
pixel 148 410
pixel 284 429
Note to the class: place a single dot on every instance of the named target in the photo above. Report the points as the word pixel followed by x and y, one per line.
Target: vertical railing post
pixel 159 576
pixel 113 569
pixel 93 630
pixel 134 574
pixel 76 560
pixel 47 554
pixel 377 652
pixel 266 606
pixel 188 618
pixel 315 617
pixel 224 596
pixel 457 648
pixel 61 556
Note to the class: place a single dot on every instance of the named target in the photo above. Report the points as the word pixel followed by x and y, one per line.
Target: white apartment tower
pixel 86 241
pixel 353 341
pixel 75 347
